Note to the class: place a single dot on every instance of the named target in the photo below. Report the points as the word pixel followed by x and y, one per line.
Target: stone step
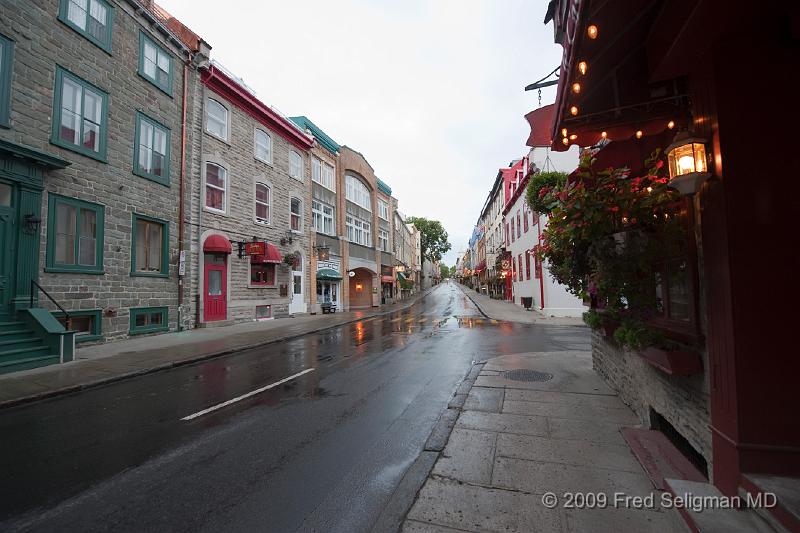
pixel 785 514
pixel 707 510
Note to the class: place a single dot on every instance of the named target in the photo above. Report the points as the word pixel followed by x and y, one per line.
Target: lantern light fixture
pixel 604 134
pixel 583 67
pixel 576 88
pixel 563 132
pixel 688 167
pixel 565 140
pixel 573 110
pixel 671 124
pixel 573 137
pixel 639 134
pixel 592 31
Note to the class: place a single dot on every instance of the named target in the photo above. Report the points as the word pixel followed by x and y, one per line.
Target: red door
pixel 215 294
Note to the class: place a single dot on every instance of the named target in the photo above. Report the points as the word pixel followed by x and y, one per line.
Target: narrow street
pixel 320 452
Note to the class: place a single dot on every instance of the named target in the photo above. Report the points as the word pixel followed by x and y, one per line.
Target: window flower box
pixel 673 362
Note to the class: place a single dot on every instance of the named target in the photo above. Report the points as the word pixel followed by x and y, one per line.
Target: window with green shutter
pixel 155 63
pixel 93 19
pixel 80 116
pixel 74 235
pixel 151 150
pixel 6 62
pixel 149 247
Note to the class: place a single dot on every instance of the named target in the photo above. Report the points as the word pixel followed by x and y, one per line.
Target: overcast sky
pixel 430 91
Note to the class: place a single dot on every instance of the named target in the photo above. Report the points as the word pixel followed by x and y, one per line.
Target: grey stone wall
pixel 682 400
pixel 237 155
pixel 42 42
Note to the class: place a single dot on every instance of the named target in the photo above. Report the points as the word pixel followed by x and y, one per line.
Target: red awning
pixel 217 244
pixel 272 255
pixel 541 122
pixel 629 153
pixel 387 279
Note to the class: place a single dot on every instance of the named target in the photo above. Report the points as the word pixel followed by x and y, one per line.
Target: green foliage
pixel 592 319
pixel 433 240
pixel 445 270
pixel 606 231
pixel 541 189
pixel 636 335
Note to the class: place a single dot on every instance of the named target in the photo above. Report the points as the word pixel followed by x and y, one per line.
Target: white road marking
pixel 249 394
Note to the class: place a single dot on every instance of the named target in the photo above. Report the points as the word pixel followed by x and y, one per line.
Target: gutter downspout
pixel 182 201
pixel 539 242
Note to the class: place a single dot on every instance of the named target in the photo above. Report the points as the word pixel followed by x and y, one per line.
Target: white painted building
pixel 523 228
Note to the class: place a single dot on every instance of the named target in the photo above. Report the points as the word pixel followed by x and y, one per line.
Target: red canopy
pixel 387 279
pixel 272 255
pixel 217 244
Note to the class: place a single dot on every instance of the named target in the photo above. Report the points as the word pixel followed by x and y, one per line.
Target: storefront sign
pixel 255 248
pixel 333 264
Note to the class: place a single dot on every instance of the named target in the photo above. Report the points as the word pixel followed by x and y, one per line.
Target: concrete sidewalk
pixel 105 363
pixel 516 441
pixel 511 312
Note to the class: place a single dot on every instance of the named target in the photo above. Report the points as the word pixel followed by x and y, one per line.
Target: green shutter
pixel 164 270
pixel 6 71
pixel 51 265
pixel 55 138
pixel 137 169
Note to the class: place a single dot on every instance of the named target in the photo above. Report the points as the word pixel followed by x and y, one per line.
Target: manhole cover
pixel 523 374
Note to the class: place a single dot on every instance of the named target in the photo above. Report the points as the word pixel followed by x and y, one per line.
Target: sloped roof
pixel 322 138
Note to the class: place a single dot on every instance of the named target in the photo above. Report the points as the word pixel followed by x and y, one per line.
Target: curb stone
pixel 405 494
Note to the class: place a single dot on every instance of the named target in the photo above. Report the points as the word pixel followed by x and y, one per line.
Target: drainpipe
pixel 539 241
pixel 181 203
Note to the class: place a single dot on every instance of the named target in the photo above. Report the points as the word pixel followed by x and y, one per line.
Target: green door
pixel 7 253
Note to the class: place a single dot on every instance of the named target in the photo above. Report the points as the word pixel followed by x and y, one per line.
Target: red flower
pixel 659 163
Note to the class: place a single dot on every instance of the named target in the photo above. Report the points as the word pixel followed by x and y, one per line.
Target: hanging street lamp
pixel 688 167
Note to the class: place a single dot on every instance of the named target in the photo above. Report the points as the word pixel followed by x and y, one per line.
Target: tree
pixel 433 238
pixel 445 270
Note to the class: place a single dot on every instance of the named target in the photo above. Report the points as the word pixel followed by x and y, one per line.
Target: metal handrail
pixel 67 319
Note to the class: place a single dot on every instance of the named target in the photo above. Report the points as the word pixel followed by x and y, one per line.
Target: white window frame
pixel 227 117
pixel 357 192
pixel 328 177
pixel 383 210
pixel 268 159
pixel 225 189
pixel 383 240
pixel 358 231
pixel 268 203
pixel 316 170
pixel 292 214
pixel 321 217
pixel 295 165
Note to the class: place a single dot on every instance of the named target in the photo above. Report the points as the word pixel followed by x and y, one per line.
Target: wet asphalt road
pixel 322 452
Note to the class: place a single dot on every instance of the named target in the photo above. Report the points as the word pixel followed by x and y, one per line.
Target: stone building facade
pixel 92 102
pixel 250 184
